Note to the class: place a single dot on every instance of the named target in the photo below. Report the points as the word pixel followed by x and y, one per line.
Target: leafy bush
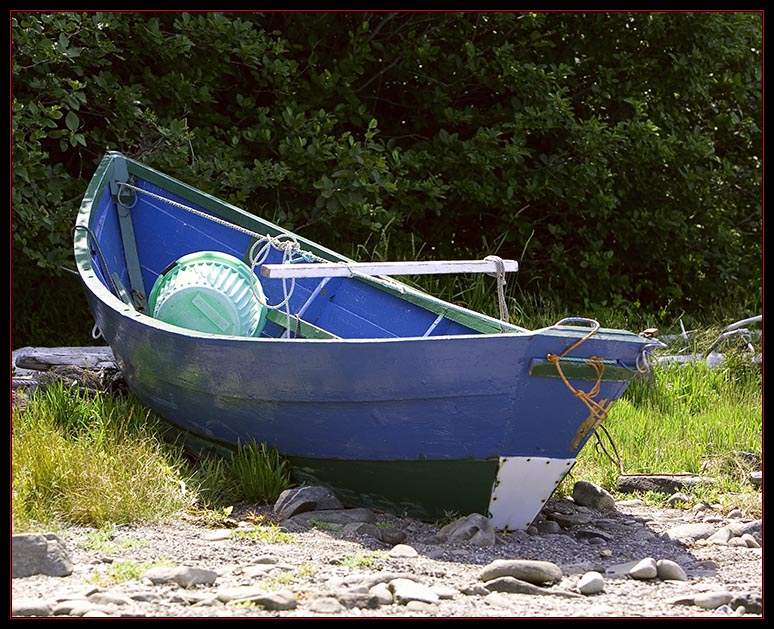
pixel 616 155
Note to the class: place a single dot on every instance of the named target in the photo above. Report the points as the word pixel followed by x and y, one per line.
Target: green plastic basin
pixel 210 291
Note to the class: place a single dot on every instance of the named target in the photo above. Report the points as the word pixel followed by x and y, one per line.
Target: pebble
pixel 576 561
pixel 591 583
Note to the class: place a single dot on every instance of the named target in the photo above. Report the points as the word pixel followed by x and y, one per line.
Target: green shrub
pixel 623 172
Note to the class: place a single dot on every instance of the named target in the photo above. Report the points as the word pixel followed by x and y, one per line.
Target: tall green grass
pixel 91 460
pixel 683 418
pixel 100 460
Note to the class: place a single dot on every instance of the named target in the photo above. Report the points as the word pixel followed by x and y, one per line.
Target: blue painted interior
pixel 346 307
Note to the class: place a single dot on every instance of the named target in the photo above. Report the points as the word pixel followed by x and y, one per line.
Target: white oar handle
pixel 345 269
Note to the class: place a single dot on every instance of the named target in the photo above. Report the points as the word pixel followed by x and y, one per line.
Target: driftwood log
pixel 92 369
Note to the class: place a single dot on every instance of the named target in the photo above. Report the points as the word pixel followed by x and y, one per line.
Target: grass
pixel 367 560
pixel 269 533
pixel 685 418
pixel 254 473
pixel 98 460
pixel 102 540
pixel 91 461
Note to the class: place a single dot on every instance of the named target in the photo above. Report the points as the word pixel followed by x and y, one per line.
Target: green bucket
pixel 212 292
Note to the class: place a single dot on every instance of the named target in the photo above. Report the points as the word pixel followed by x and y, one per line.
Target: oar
pixel 344 269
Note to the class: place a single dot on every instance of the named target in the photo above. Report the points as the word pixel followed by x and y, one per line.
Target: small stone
pixel 644 569
pixel 591 583
pixel 668 570
pixel 532 571
pixel 326 605
pixel 382 593
pixel 406 590
pixel 750 541
pixel 403 551
pixel 593 496
pixel 217 535
pixel 712 600
pixel 678 499
pixel 548 526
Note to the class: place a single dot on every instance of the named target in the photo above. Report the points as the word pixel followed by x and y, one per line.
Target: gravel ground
pixel 320 565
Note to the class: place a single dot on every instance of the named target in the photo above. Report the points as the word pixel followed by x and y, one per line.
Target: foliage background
pixel 616 155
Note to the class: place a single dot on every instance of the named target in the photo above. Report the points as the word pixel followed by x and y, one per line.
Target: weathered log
pixel 45 358
pixel 660 483
pixel 90 369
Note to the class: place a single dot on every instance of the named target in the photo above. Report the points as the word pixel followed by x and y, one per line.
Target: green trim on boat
pixel 580 369
pixel 305 329
pixel 423 489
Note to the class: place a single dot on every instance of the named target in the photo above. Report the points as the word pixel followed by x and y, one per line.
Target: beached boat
pixel 235 330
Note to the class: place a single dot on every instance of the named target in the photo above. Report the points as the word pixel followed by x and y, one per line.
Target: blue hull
pixel 386 374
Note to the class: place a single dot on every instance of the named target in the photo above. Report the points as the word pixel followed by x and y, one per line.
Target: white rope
pixel 645 360
pixel 500 275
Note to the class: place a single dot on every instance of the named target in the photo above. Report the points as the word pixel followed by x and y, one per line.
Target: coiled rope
pixel 597 409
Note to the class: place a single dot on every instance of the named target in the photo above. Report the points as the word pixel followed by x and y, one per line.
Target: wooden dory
pixel 394 399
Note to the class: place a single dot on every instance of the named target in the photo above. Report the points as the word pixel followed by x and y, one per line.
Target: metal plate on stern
pixel 523 486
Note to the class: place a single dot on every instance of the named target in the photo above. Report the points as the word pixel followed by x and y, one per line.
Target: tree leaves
pixel 625 144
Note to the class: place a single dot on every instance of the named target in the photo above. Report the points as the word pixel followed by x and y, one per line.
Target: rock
pixel 712 600
pixel 301 499
pixel 668 570
pixel 217 535
pixel 592 496
pixel 339 518
pixel 358 600
pixel 536 572
pixel 593 535
pixel 186 576
pixel 382 593
pixel 31 607
pixel 661 483
pixel 750 541
pixel 406 590
pixel 512 585
pixel 591 583
pixel 690 532
pixel 474 528
pixel 32 553
pixel 327 605
pixel 343 569
pixel 548 526
pixel 403 550
pixel 721 536
pixel 644 569
pixel 751 603
pixel 678 499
